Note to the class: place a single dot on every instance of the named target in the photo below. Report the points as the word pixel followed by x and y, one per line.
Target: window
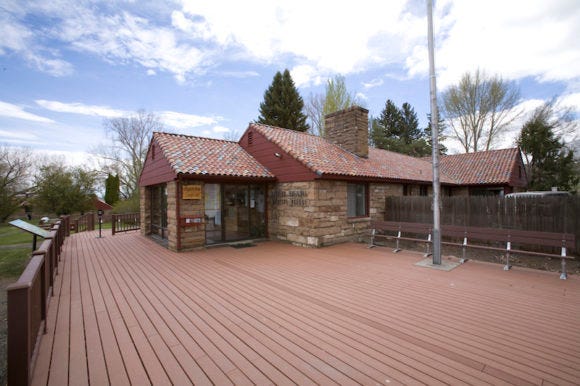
pixel 423 190
pixel 356 200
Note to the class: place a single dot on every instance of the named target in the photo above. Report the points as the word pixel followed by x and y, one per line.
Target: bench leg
pixel 563 275
pixel 507 265
pixel 372 243
pixel 397 249
pixel 428 247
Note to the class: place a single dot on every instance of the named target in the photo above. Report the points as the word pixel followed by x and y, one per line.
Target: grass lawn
pixel 13 262
pixel 11 235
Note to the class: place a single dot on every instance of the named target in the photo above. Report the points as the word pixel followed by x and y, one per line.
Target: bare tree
pixel 336 97
pixel 130 138
pixel 479 109
pixel 15 164
pixel 315 112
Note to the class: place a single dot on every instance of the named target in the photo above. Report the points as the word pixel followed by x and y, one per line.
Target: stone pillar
pixel 192 234
pixel 349 129
pixel 145 209
pixel 172 215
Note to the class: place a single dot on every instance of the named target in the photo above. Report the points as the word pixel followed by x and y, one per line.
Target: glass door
pixel 236 212
pixel 159 210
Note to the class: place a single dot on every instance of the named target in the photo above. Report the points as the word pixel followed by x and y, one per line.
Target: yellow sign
pixel 191 192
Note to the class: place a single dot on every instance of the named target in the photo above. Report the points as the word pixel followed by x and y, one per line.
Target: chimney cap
pixel 353 107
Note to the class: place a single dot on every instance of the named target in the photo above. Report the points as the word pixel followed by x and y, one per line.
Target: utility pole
pixel 435 140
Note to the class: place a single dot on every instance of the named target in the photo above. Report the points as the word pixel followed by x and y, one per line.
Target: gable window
pixel 356 200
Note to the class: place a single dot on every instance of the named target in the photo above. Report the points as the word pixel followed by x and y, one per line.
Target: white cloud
pixel 181 121
pixel 221 129
pixel 513 38
pixel 373 83
pixel 361 97
pixel 83 109
pixel 571 100
pixel 18 136
pixel 190 37
pixel 305 75
pixel 10 110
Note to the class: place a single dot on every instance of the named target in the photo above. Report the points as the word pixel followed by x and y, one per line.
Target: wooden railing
pixel 85 222
pixel 28 301
pixel 125 222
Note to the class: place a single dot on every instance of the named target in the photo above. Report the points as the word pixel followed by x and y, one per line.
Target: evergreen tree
pixel 283 105
pixel 549 162
pixel 398 130
pixel 441 137
pixel 112 191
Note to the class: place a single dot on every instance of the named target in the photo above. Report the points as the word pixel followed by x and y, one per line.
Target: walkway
pixel 127 311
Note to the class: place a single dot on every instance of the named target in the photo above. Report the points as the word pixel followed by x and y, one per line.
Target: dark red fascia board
pixel 218 178
pixel 377 180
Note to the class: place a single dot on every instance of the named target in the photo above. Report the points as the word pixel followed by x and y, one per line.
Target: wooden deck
pixel 127 311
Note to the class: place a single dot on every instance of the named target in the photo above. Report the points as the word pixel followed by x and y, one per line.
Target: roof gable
pixel 198 156
pixel 329 160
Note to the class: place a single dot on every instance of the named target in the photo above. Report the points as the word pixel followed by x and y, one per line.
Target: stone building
pixel 282 184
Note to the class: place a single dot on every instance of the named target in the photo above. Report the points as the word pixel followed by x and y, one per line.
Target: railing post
pixel 113 223
pixel 18 334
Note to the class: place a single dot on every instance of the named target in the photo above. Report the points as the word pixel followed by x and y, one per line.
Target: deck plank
pixel 126 310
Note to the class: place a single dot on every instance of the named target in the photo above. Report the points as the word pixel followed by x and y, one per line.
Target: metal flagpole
pixel 435 135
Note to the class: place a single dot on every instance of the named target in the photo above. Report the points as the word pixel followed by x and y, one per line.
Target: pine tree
pixel 441 137
pixel 398 130
pixel 283 105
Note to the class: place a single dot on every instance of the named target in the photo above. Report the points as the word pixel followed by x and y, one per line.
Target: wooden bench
pixel 508 241
pixel 409 231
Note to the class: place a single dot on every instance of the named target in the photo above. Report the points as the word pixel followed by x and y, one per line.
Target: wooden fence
pixel 125 222
pixel 546 214
pixel 28 301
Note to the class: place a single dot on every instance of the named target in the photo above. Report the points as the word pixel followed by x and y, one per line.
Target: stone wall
pixel 171 216
pixel 312 214
pixel 192 235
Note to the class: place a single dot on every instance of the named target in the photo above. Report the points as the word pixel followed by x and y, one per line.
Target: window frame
pixel 366 200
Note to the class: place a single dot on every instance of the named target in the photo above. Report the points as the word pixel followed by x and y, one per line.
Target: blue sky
pixel 203 66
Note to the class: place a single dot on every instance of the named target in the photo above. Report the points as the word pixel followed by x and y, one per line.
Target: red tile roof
pixel 208 157
pixel 484 167
pixel 325 158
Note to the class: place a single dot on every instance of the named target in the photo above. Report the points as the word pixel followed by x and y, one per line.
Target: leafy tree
pixel 64 190
pixel 398 130
pixel 15 165
pixel 112 184
pixel 336 97
pixel 130 138
pixel 283 105
pixel 479 109
pixel 548 160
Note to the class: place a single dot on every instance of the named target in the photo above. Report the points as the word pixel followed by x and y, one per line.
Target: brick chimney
pixel 348 128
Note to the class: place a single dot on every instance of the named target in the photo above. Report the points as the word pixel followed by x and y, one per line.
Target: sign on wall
pixel 191 192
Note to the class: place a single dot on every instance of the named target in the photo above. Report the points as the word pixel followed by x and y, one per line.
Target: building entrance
pixel 234 212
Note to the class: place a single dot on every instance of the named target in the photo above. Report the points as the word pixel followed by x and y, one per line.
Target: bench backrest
pixel 515 236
